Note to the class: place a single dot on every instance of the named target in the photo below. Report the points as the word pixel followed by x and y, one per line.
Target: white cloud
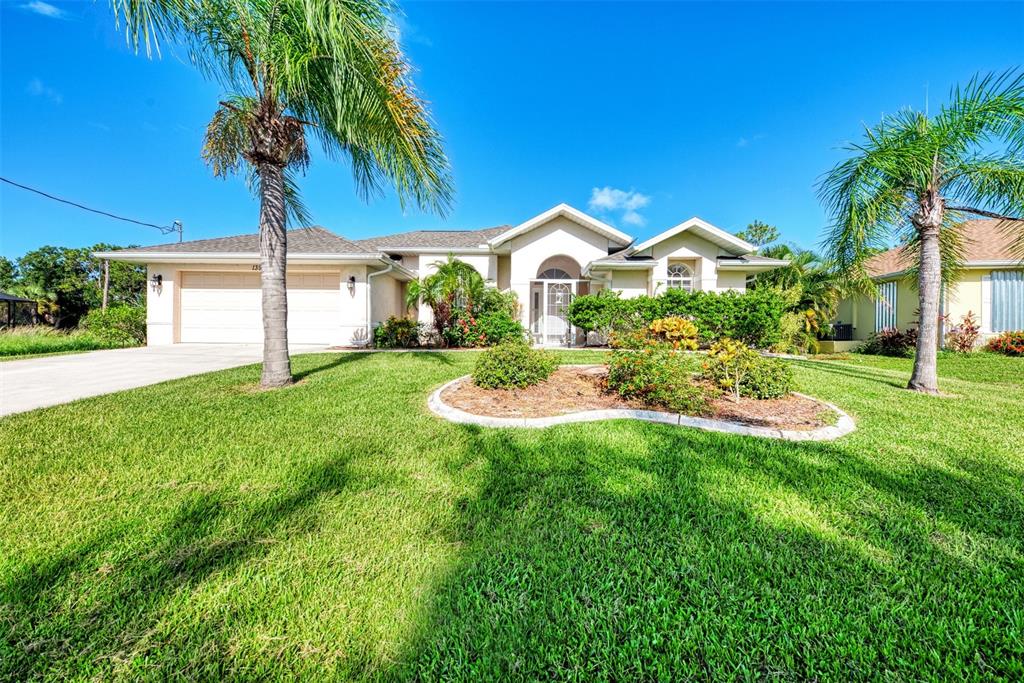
pixel 611 200
pixel 37 88
pixel 406 33
pixel 45 9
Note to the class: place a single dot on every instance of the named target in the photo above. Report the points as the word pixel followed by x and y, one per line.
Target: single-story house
pixel 339 289
pixel 991 286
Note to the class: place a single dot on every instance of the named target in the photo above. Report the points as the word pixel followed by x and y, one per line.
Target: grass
pixel 38 341
pixel 336 529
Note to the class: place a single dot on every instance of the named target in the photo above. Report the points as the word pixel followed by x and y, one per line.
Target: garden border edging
pixel 844 425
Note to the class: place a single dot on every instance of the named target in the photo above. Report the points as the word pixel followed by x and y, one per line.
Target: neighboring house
pixel 339 290
pixel 991 286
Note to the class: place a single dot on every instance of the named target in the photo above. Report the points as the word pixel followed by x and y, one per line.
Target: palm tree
pixel 919 177
pixel 453 285
pixel 293 68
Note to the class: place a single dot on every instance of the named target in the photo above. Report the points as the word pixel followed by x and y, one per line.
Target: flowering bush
pixel 891 342
pixel 964 337
pixel 486 329
pixel 397 333
pixel 512 364
pixel 657 377
pixel 1010 343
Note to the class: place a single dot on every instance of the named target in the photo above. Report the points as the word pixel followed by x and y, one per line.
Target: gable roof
pixel 315 240
pixel 729 242
pixel 986 242
pixel 433 239
pixel 566 211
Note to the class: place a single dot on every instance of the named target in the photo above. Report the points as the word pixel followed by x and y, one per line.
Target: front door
pixel 557 330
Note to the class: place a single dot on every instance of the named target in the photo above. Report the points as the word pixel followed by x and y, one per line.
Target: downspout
pixel 369 301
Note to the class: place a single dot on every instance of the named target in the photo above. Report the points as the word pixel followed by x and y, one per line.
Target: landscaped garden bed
pixel 653 376
pixel 575 389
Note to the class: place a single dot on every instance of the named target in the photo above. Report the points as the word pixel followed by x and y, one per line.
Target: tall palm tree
pixel 292 68
pixel 453 284
pixel 919 177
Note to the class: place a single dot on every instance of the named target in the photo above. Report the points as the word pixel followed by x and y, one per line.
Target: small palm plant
pixel 453 285
pixel 295 68
pixel 919 177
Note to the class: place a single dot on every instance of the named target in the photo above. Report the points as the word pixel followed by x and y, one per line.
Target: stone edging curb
pixel 843 426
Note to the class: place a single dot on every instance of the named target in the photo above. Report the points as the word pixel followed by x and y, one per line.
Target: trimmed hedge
pixel 752 317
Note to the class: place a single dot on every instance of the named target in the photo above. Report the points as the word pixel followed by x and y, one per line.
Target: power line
pixel 165 229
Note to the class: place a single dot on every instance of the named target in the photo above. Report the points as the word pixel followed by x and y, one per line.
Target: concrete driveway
pixel 48 381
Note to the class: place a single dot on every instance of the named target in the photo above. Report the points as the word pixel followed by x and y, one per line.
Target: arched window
pixel 680 277
pixel 555 274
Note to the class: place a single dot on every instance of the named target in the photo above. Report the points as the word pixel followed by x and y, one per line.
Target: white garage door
pixel 224 308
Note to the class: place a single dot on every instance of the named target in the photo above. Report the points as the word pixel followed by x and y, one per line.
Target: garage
pixel 224 308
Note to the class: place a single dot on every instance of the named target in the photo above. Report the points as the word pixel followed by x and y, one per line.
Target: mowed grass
pixel 336 529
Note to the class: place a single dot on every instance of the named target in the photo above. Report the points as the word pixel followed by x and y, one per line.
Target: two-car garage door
pixel 225 308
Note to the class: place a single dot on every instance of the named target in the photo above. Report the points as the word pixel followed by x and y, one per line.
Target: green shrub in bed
pixel 512 364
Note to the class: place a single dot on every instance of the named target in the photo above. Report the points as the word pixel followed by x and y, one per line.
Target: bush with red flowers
pixel 1010 343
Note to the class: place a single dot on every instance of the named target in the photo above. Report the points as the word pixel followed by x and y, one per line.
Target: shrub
pixel 729 362
pixel 512 364
pixel 657 377
pixel 493 300
pixel 767 378
pixel 964 337
pixel 397 333
pixel 591 312
pixel 486 329
pixel 1010 343
pixel 679 332
pixel 891 342
pixel 117 325
pixel 752 317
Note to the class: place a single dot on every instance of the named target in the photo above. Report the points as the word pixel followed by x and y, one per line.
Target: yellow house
pixel 991 287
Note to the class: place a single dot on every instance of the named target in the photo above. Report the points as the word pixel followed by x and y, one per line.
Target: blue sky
pixel 729 111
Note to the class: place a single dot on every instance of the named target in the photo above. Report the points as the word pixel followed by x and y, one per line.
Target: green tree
pixel 759 234
pixel 8 273
pixel 919 177
pixel 453 285
pixel 293 68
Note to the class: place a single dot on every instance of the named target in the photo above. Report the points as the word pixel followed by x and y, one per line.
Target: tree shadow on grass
pixel 645 552
pixel 860 372
pixel 87 614
pixel 328 363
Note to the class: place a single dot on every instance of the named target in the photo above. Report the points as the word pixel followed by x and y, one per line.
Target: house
pixel 338 289
pixel 991 286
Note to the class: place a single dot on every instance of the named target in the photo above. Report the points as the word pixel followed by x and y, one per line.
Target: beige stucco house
pixel 991 287
pixel 208 291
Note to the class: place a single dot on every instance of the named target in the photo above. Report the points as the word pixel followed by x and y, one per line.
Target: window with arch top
pixel 555 274
pixel 680 276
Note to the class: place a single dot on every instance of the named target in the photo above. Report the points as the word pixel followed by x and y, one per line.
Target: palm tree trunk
pixel 277 367
pixel 929 283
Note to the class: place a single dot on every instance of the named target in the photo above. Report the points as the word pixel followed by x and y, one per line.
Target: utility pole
pixel 106 281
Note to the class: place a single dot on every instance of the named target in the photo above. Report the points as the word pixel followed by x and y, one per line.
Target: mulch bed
pixel 575 389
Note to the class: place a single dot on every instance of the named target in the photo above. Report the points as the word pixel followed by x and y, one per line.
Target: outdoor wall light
pixel 351 285
pixel 157 282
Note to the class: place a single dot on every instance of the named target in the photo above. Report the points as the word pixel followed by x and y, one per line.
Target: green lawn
pixel 336 529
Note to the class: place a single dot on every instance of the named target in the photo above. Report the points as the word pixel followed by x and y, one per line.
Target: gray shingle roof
pixel 314 240
pixel 433 239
